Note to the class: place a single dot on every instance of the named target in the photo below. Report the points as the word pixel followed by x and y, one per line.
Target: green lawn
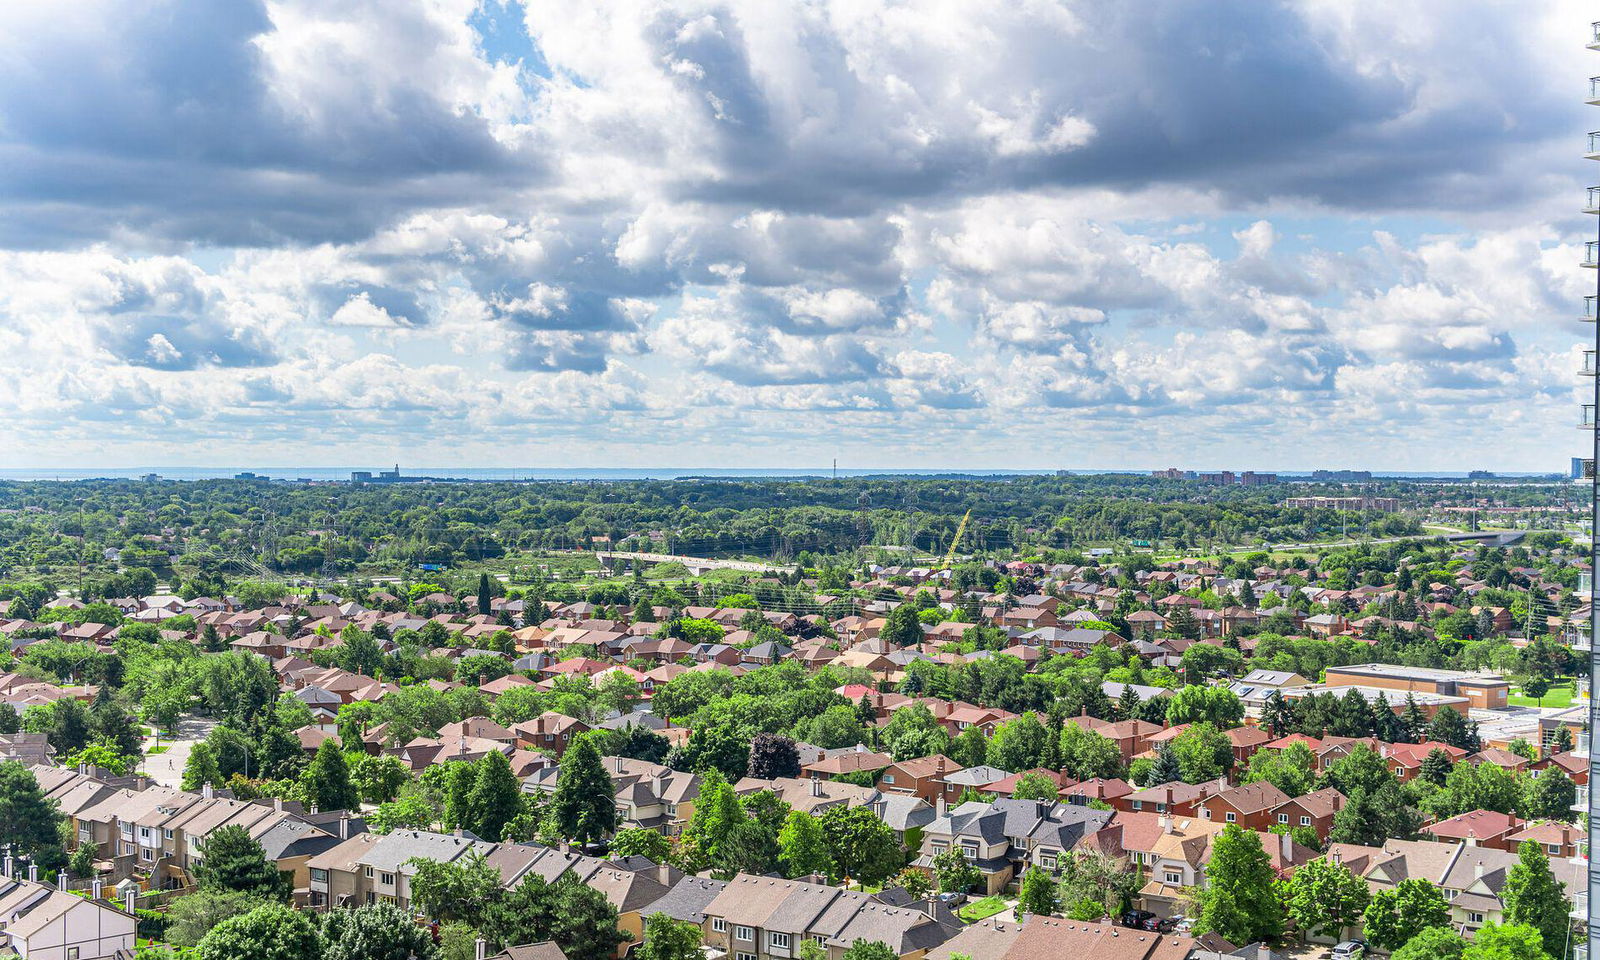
pixel 982 909
pixel 1559 695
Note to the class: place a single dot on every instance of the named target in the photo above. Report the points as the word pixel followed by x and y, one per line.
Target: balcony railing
pixel 1594 145
pixel 1580 803
pixel 1595 41
pixel 1588 369
pixel 1591 253
pixel 1587 421
pixel 1592 204
pixel 1591 308
pixel 1594 90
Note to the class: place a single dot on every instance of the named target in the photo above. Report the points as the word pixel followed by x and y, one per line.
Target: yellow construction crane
pixel 961 528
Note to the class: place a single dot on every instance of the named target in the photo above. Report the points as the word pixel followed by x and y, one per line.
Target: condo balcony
pixel 1594 42
pixel 1587 420
pixel 1592 204
pixel 1580 803
pixel 1591 308
pixel 1589 367
pixel 1591 254
pixel 1594 146
pixel 1594 92
pixel 1581 749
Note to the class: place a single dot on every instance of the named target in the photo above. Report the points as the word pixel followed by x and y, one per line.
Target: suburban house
pixel 39 921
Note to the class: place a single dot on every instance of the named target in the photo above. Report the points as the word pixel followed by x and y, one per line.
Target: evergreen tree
pixel 1436 767
pixel 1533 896
pixel 496 798
pixel 1166 768
pixel 1550 797
pixel 327 780
pixel 1450 727
pixel 583 808
pixel 1128 703
pixel 10 721
pixel 485 597
pixel 1563 741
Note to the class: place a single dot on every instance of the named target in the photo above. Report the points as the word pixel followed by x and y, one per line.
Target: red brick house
pixel 1478 828
pixel 922 778
pixel 1249 805
pixel 1315 810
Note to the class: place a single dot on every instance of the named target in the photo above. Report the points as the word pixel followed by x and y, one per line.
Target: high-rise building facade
pixel 1585 900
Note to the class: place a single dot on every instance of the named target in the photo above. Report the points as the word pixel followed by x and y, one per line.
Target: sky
pixel 1249 234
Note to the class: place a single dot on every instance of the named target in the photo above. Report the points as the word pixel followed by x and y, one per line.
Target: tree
pixel 669 939
pixel 1203 752
pixel 191 917
pixel 1563 741
pixel 575 916
pixel 1035 786
pixel 862 846
pixel 583 808
pixel 801 847
pixel 1017 744
pixel 1550 797
pixel 1086 755
pixel 411 811
pixel 901 627
pixel 378 779
pixel 913 732
pixel 953 872
pixel 464 889
pixel 1397 914
pixel 10 721
pixel 1038 893
pixel 1217 706
pixel 496 800
pixel 485 596
pixel 269 932
pixel 772 756
pixel 914 882
pixel 1535 898
pixel 1506 942
pixel 1370 818
pixel 1434 943
pixel 1324 897
pixel 1292 769
pixel 1165 768
pixel 969 748
pixel 29 821
pixel 716 813
pixel 201 768
pixel 1450 727
pixel 376 931
pixel 1277 715
pixel 641 842
pixel 327 780
pixel 861 949
pixel 1536 687
pixel 232 860
pixel 1238 902
pixel 1436 767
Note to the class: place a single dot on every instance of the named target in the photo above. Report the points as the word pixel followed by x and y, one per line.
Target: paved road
pixel 166 769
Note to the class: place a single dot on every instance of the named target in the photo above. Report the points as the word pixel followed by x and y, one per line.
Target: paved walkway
pixel 166 768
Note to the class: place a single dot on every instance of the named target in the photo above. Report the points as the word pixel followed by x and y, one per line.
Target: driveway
pixel 166 768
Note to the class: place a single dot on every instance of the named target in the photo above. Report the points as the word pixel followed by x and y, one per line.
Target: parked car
pixel 1141 920
pixel 952 897
pixel 1349 950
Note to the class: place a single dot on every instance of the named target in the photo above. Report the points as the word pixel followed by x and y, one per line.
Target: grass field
pixel 1559 695
pixel 982 909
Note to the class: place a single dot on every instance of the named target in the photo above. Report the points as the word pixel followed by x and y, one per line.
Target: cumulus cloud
pixel 894 228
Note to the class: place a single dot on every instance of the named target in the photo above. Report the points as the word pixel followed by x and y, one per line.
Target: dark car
pixel 1141 920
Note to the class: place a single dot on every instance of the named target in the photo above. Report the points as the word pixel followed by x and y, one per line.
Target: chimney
pixel 344 826
pixel 33 872
pixel 480 949
pixel 1166 823
pixel 939 805
pixel 816 786
pixel 205 791
pixel 9 866
pixel 619 764
pixel 61 881
pixel 1336 857
pixel 1477 870
pixel 1287 846
pixel 98 889
pixel 277 804
pixel 129 899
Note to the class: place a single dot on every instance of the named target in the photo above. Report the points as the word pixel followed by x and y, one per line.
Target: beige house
pixel 43 923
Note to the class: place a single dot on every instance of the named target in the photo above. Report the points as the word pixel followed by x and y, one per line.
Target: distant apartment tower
pixel 1480 475
pixel 361 476
pixel 1342 476
pixel 1252 479
pixel 1172 473
pixel 1226 476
